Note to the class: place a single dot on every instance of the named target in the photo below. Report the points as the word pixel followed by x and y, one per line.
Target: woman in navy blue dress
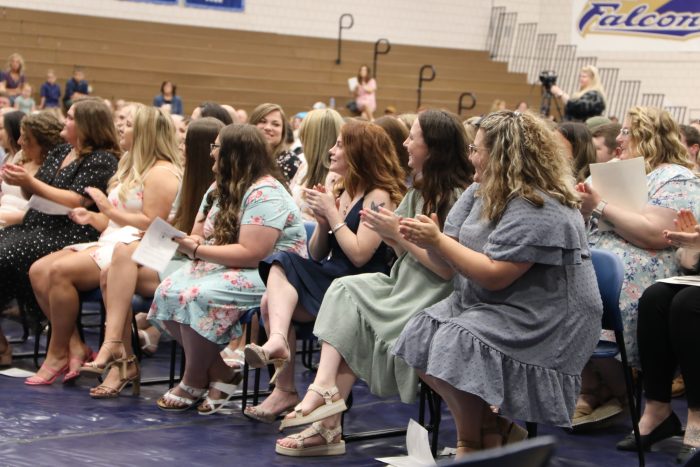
pixel 365 158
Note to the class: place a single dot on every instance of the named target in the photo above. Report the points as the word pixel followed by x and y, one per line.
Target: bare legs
pixel 279 306
pixel 56 280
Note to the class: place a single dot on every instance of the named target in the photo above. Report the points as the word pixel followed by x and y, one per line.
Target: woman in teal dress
pixel 361 316
pixel 200 303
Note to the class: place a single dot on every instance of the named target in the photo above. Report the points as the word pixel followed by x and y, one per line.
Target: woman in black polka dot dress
pixel 89 159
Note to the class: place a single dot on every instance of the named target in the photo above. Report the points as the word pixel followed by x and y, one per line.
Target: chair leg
pixel 635 406
pixel 136 345
pixel 531 429
pixel 435 419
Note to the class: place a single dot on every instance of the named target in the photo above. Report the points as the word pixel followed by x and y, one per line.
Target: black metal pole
pixel 379 52
pixel 460 103
pixel 340 31
pixel 421 79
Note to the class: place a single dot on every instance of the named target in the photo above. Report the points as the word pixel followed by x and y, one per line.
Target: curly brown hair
pixel 244 157
pixel 45 128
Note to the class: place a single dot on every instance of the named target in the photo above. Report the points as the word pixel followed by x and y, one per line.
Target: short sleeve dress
pixel 312 278
pixel 668 186
pixel 361 316
pixel 521 348
pixel 210 297
pixel 367 100
pixel 40 234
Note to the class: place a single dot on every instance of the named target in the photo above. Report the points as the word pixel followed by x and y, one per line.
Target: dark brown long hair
pixel 95 127
pixel 398 133
pixel 582 148
pixel 372 161
pixel 198 175
pixel 244 157
pixel 447 166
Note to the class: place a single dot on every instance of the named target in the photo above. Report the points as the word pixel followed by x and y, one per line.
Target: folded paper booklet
pixel 418 448
pixel 682 280
pixel 622 183
pixel 157 247
pixel 47 206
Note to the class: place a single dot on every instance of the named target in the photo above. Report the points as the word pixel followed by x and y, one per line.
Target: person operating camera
pixel 588 101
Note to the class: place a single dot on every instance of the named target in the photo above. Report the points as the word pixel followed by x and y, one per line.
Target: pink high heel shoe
pixel 71 375
pixel 37 380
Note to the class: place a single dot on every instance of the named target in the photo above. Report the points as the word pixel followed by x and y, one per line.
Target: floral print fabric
pixel 210 297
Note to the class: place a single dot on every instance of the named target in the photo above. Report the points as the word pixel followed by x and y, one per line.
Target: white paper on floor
pixel 418 448
pixel 17 373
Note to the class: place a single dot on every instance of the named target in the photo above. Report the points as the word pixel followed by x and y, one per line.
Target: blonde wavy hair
pixel 595 84
pixel 656 137
pixel 524 159
pixel 318 132
pixel 154 141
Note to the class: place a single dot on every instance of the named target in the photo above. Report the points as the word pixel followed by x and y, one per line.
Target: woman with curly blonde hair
pixel 637 239
pixel 524 288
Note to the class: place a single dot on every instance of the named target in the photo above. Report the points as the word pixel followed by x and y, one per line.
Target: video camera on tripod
pixel 548 78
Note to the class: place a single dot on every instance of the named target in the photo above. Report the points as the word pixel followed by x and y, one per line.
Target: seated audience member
pixel 605 142
pixel 522 107
pixel 242 115
pixel 588 101
pixel 318 132
pixel 637 239
pixel 13 78
pixel 341 245
pixel 4 100
pixel 244 218
pixel 408 119
pixel 694 123
pixel 180 123
pixel 50 92
pixel 168 100
pixel 212 109
pixel 76 87
pixel 270 118
pixel 88 160
pixel 10 133
pixel 231 111
pixel 124 277
pixel 471 126
pixel 578 145
pixel 361 316
pixel 143 188
pixel 494 341
pixel 690 137
pixel 25 102
pixel 498 104
pixel 594 122
pixel 398 133
pixel 669 321
pixel 39 134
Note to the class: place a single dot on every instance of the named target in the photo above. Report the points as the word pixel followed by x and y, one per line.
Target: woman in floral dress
pixel 247 215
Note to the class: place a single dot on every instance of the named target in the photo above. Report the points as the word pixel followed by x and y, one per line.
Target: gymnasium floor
pixel 61 425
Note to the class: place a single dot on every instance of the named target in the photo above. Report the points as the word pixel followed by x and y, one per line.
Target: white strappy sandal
pixel 216 405
pixel 328 449
pixel 326 410
pixel 183 403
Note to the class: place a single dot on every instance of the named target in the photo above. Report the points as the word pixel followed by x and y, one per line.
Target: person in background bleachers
pixel 247 215
pixel 366 93
pixel 522 107
pixel 13 78
pixel 340 246
pixel 144 187
pixel 273 123
pixel 495 341
pixel 497 104
pixel 88 160
pixel 39 134
pixel 76 87
pixel 362 315
pixel 25 102
pixel 690 137
pixel 637 239
pixel 168 99
pixel 578 144
pixel 605 141
pixel 4 101
pixel 50 92
pixel 588 101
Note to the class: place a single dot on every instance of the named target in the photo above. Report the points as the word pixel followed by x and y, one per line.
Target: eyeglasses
pixel 625 131
pixel 213 146
pixel 473 148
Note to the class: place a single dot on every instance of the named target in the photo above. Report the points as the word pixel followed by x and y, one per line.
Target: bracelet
pixel 194 252
pixel 337 227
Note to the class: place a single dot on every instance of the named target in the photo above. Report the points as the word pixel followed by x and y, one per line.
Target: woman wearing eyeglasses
pixel 525 311
pixel 637 238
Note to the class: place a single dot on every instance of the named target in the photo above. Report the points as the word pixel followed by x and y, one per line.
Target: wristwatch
pixel 598 211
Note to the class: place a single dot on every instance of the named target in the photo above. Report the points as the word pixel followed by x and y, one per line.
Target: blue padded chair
pixel 530 453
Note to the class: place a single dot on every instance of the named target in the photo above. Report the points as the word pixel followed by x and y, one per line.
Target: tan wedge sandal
pixel 330 448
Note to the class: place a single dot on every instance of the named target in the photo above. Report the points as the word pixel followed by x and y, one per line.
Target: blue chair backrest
pixel 310 226
pixel 609 273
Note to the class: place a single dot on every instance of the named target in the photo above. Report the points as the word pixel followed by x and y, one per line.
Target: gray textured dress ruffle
pixel 521 348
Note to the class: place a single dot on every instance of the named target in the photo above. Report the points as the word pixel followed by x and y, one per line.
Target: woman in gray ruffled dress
pixel 525 314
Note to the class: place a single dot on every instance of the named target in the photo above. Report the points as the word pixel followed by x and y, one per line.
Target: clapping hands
pixel 688 233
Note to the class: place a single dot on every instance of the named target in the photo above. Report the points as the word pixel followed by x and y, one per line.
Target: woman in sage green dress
pixel 362 315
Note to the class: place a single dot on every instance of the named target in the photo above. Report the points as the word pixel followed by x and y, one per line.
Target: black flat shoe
pixel 686 453
pixel 666 429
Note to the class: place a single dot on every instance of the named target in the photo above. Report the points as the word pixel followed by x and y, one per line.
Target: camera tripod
pixel 546 103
